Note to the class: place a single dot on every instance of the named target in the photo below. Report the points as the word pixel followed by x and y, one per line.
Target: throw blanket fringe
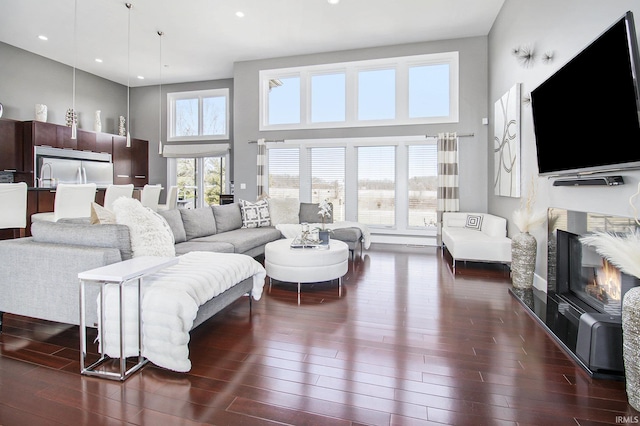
pixel 292 230
pixel 170 302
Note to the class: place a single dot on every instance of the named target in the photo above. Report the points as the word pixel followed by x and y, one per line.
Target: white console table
pixel 121 273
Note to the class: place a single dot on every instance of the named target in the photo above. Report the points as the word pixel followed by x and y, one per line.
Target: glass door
pixel 200 181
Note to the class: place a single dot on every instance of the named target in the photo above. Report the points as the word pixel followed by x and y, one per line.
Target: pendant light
pixel 129 6
pixel 160 33
pixel 74 124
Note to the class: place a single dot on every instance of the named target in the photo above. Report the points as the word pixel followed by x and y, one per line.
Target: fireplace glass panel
pixel 593 279
pixel 577 271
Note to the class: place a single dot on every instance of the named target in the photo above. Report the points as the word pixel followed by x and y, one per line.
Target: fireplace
pixel 582 306
pixel 587 279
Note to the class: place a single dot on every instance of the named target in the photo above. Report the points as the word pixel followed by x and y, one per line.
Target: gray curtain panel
pixel 261 163
pixel 448 190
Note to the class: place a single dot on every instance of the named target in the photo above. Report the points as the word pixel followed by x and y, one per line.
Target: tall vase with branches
pixel 324 212
pixel 524 246
pixel 623 251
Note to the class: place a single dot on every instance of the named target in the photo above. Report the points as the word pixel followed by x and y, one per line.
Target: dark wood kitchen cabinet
pixel 11 142
pixel 130 164
pixel 139 162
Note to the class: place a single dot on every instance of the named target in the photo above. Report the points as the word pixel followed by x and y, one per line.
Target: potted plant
pixel 324 212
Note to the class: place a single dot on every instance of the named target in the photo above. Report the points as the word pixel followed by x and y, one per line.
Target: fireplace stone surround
pixel 582 316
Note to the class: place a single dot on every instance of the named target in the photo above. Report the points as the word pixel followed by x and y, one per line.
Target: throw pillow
pixel 174 219
pixel 255 215
pixel 474 221
pixel 228 217
pixel 284 210
pixel 198 222
pixel 150 233
pixel 101 215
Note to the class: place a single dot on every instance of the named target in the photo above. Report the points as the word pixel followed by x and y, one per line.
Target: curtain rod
pixel 462 135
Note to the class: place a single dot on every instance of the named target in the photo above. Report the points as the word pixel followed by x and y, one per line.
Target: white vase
pixel 121 128
pixel 98 122
pixel 41 112
pixel 523 259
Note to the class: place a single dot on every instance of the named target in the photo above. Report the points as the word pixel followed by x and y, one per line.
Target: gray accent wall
pixel 564 28
pixel 473 107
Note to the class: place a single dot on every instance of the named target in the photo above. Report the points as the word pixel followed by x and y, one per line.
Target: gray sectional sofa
pixel 39 274
pixel 218 229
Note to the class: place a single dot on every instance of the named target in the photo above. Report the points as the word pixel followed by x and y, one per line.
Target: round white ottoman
pixel 308 265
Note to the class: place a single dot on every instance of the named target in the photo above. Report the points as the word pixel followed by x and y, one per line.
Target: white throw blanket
pixel 292 230
pixel 170 302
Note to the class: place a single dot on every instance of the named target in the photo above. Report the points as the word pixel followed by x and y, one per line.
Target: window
pixel 388 183
pixel 428 91
pixel 198 115
pixel 284 103
pixel 196 176
pixel 283 167
pixel 327 178
pixel 328 98
pixel 422 185
pixel 377 95
pixel 421 89
pixel 377 185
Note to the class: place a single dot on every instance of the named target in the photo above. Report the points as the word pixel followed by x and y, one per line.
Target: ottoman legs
pixel 300 286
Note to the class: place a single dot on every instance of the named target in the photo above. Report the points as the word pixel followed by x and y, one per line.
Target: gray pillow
pixel 309 213
pixel 228 217
pixel 198 222
pixel 174 219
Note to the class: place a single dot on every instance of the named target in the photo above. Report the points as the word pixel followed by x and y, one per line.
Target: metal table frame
pixel 120 273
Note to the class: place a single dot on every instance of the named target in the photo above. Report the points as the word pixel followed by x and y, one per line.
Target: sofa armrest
pixel 40 280
pixel 494 226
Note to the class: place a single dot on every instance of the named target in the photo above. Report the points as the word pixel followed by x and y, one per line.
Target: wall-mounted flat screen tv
pixel 586 116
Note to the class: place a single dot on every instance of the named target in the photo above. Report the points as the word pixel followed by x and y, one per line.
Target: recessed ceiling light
pixel 240 14
pixel 98 60
pixel 333 1
pixel 140 77
pixel 42 37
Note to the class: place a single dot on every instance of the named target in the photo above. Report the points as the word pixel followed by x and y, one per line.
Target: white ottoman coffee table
pixel 306 265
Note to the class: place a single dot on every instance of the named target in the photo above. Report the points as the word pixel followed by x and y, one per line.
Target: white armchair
pixel 478 237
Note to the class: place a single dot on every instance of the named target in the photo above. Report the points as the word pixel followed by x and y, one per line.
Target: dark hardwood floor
pixel 405 343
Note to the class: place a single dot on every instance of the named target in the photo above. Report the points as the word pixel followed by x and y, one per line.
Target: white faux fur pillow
pixel 284 210
pixel 150 232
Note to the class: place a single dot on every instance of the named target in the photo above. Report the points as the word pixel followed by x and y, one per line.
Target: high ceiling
pixel 203 38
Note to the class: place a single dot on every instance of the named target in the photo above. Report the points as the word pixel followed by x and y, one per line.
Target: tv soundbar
pixel 592 180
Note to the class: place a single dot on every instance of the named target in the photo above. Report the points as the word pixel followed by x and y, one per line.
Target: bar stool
pixel 150 196
pixel 13 215
pixel 113 192
pixel 71 201
pixel 172 199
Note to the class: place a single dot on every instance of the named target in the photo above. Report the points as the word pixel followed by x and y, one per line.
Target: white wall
pixel 565 28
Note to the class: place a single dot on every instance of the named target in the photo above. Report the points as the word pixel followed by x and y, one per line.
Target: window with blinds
pixel 387 183
pixel 327 178
pixel 377 185
pixel 284 173
pixel 422 185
